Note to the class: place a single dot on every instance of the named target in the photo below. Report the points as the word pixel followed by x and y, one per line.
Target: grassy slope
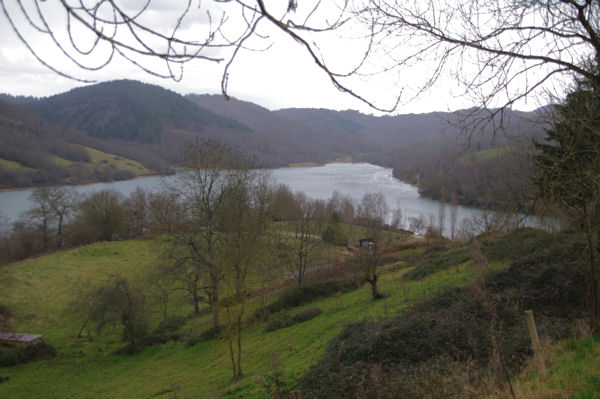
pixel 485 154
pixel 38 291
pixel 573 368
pixel 12 165
pixel 100 158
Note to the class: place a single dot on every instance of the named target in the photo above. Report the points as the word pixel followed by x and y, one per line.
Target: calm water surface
pixel 353 179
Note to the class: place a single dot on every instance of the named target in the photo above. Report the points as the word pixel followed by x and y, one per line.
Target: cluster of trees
pixel 498 182
pixel 567 166
pixel 62 218
pixel 218 225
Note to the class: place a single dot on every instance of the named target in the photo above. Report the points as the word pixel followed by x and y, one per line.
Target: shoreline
pixel 83 183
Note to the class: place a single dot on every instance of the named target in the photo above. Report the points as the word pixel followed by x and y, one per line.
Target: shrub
pixel 13 356
pixel 526 241
pixel 286 320
pixel 204 336
pixel 5 319
pixel 308 293
pixel 401 356
pixel 312 292
pixel 335 235
pixel 436 259
pixel 167 330
pixel 5 312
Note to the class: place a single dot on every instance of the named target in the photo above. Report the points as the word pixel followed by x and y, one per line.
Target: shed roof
pixel 16 337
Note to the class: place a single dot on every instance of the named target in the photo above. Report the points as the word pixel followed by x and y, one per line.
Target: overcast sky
pixel 281 76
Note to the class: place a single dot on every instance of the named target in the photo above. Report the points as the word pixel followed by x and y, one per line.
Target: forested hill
pixel 128 110
pixel 136 123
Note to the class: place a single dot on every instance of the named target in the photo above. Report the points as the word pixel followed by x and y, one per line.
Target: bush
pixel 5 312
pixel 436 259
pixel 12 356
pixel 335 235
pixel 527 241
pixel 308 293
pixel 401 356
pixel 286 320
pixel 167 330
pixel 204 336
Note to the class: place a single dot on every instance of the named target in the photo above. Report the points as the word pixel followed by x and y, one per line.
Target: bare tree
pixel 501 51
pixel 372 213
pixel 245 246
pixel 161 279
pixel 306 249
pixel 165 212
pixel 103 212
pixel 417 225
pixel 136 209
pixel 210 170
pixel 441 217
pixel 41 214
pixel 397 221
pixel 118 302
pixel 91 35
pixel 453 214
pixel 52 207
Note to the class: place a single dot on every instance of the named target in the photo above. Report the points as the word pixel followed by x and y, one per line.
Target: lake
pixel 352 179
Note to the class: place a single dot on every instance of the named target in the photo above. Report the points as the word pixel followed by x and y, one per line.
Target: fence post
pixel 535 342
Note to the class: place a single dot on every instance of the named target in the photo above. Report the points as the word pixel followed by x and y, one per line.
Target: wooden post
pixel 295 394
pixel 535 342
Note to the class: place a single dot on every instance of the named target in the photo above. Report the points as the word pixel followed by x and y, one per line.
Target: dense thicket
pixel 435 346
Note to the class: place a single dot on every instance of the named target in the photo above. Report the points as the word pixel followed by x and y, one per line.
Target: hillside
pixel 151 125
pixel 33 152
pixel 419 278
pixel 128 110
pixel 298 138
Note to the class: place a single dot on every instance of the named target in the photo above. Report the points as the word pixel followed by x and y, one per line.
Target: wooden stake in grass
pixel 535 341
pixel 295 394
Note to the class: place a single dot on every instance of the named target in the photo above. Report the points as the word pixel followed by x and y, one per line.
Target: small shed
pixel 20 340
pixel 368 243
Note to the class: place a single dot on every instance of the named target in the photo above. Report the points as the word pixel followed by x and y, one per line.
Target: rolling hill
pixel 33 152
pixel 151 125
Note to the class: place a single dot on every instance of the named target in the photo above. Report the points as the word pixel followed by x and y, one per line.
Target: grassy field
pixel 38 292
pixel 485 154
pixel 100 159
pixel 11 165
pixel 573 368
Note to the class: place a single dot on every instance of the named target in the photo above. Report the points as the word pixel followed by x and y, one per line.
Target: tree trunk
pixel 196 300
pixel 215 310
pixel 239 345
pixel 592 280
pixel 374 293
pixel 231 352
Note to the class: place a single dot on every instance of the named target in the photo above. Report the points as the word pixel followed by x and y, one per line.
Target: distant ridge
pixel 128 110
pixel 151 125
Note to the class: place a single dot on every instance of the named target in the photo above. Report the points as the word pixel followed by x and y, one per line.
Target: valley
pixel 146 127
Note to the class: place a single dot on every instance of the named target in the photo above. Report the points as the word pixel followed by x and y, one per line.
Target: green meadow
pixel 38 292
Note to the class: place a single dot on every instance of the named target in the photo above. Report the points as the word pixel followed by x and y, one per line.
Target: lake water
pixel 352 179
